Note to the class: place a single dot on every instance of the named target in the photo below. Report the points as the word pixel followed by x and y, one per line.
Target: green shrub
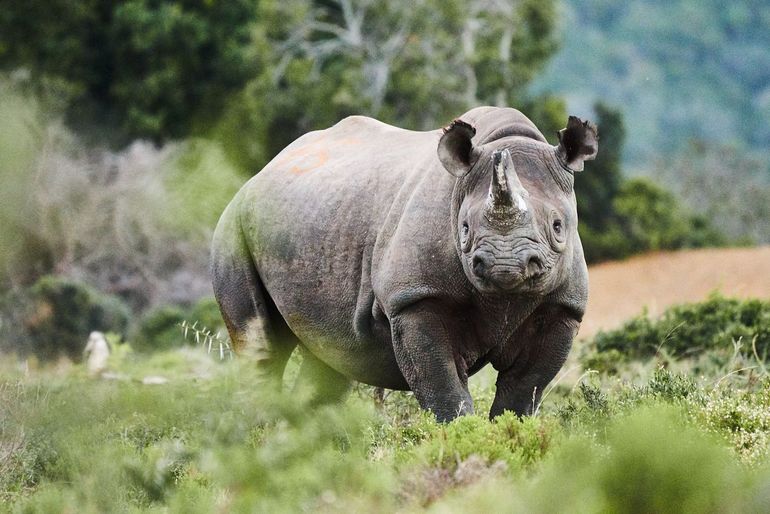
pixel 646 217
pixel 648 460
pixel 55 315
pixel 690 329
pixel 226 444
pixel 608 361
pixel 671 386
pixel 161 328
pixel 517 442
pixel 206 313
pixel 653 463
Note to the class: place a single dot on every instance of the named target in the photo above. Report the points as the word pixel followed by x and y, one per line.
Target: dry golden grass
pixel 620 290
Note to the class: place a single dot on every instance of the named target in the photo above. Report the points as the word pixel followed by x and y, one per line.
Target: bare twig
pixel 204 335
pixel 552 386
pixel 716 384
pixel 580 379
pixel 760 362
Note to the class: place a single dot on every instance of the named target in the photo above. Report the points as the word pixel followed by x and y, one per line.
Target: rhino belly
pixel 339 330
pixel 319 282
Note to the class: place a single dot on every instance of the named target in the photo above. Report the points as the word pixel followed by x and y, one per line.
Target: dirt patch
pixel 620 290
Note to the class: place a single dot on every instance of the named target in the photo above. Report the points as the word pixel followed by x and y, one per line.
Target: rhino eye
pixel 557 226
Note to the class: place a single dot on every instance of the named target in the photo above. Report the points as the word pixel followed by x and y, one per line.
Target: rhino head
pixel 514 213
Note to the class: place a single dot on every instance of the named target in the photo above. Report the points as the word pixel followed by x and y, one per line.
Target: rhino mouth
pixel 524 271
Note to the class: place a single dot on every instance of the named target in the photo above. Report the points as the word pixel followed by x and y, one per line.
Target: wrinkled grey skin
pixel 410 260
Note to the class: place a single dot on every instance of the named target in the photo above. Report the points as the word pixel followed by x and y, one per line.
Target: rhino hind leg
pixel 324 384
pixel 257 330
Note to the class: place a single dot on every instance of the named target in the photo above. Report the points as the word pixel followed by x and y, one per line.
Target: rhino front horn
pixel 506 202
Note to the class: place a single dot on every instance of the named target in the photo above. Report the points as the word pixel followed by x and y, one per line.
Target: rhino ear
pixel 578 142
pixel 455 148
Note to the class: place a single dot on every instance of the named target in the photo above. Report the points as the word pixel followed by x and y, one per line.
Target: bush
pixel 646 218
pixel 206 313
pixel 135 222
pixel 653 220
pixel 161 328
pixel 55 315
pixel 654 463
pixel 691 329
pixel 517 442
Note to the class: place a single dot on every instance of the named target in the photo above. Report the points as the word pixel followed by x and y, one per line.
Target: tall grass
pixel 211 439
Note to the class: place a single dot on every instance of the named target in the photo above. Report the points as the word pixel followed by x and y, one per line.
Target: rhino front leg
pixel 544 342
pixel 424 351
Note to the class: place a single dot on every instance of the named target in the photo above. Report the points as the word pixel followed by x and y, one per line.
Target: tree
pixel 597 187
pixel 413 63
pixel 150 68
pixel 726 186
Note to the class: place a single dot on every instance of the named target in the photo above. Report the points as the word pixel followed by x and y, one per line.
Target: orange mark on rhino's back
pixel 311 156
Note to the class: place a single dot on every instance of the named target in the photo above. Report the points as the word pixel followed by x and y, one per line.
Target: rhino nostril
pixel 480 265
pixel 534 265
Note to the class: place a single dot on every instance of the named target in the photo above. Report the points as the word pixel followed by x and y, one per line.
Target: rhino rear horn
pixel 455 148
pixel 578 142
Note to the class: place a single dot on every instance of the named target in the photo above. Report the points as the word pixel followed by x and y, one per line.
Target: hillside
pixel 620 290
pixel 679 70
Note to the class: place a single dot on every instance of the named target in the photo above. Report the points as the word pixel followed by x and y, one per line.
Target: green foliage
pixel 600 184
pixel 518 443
pixel 691 329
pixel 162 466
pixel 206 312
pixel 153 69
pixel 222 443
pixel 671 386
pixel 742 418
pixel 652 463
pixel 54 316
pixel 161 329
pixel 399 61
pixel 595 400
pixel 646 217
pixel 169 68
pixel 608 361
pixel 20 249
pixel 199 183
pixel 652 219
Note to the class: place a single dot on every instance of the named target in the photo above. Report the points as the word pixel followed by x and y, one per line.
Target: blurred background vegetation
pixel 126 127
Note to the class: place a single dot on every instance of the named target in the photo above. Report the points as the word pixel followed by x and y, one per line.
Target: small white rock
pixel 97 351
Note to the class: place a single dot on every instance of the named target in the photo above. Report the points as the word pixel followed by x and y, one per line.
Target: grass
pixel 662 435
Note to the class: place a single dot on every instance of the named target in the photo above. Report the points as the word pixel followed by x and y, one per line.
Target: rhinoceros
pixel 409 260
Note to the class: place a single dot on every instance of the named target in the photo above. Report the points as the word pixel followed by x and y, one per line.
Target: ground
pixel 620 290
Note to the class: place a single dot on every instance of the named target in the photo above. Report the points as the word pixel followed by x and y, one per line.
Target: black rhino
pixel 409 260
